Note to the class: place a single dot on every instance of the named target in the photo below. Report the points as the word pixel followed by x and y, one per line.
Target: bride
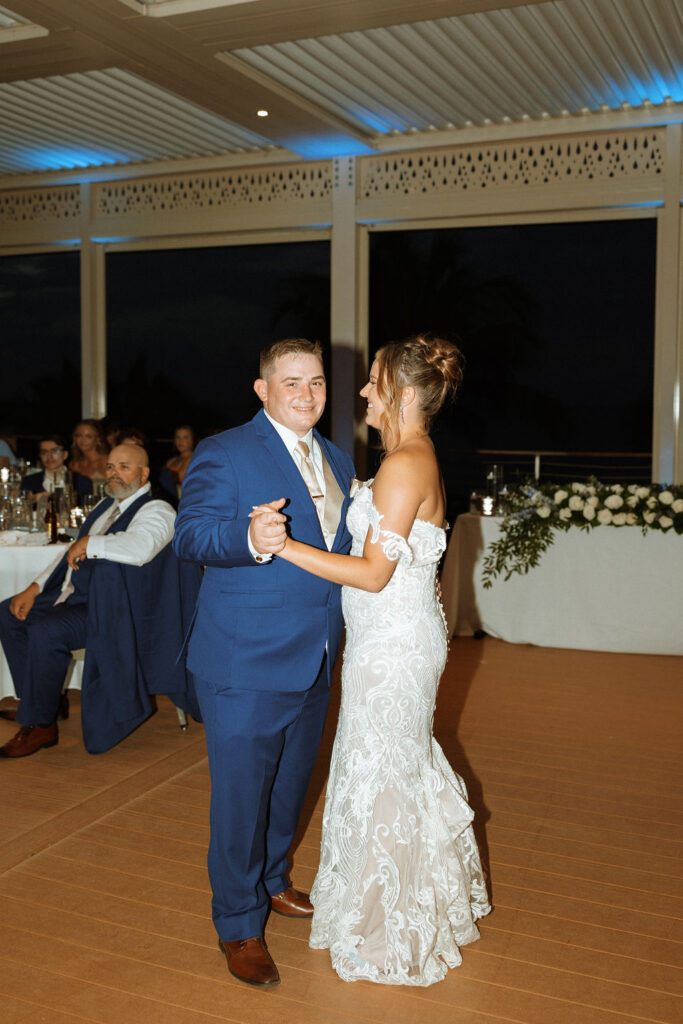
pixel 400 883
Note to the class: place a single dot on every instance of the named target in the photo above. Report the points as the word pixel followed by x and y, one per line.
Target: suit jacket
pixel 136 618
pixel 262 626
pixel 34 483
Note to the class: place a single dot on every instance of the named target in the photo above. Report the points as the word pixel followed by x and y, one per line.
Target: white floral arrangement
pixel 534 511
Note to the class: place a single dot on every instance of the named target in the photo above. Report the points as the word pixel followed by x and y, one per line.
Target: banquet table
pixel 19 566
pixel 609 589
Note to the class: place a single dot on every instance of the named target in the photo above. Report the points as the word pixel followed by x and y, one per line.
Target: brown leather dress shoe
pixel 292 903
pixel 29 739
pixel 9 714
pixel 249 961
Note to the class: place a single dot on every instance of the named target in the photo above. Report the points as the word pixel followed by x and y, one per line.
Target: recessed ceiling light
pixel 262 113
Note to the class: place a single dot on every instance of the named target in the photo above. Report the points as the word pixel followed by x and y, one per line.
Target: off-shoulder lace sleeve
pixel 393 544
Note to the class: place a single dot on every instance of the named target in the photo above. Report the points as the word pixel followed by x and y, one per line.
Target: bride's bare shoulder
pixel 415 456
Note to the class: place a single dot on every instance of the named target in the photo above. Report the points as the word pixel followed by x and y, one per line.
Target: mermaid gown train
pixel 400 884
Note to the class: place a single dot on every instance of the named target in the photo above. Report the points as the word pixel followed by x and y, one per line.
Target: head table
pixel 20 563
pixel 608 589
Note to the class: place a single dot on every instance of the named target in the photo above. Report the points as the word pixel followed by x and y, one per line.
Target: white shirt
pixel 52 479
pixel 290 440
pixel 148 532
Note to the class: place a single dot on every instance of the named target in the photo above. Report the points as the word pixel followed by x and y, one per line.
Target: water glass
pixel 494 482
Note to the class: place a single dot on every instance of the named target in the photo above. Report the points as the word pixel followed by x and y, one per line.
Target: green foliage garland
pixel 533 512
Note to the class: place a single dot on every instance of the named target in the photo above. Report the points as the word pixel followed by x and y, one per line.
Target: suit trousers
pixel 262 747
pixel 38 651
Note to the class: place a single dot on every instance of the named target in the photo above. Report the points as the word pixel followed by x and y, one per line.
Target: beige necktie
pixel 329 505
pixel 111 518
pixel 310 478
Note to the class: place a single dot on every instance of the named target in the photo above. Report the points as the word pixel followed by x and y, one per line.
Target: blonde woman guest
pixel 400 883
pixel 89 451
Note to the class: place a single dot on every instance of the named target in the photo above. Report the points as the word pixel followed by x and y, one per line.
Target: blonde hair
pixel 101 445
pixel 433 366
pixel 286 347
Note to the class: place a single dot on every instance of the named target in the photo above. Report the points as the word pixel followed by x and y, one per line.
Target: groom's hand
pixel 267 529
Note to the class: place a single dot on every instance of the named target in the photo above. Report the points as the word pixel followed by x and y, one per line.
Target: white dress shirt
pixel 148 532
pixel 54 479
pixel 290 440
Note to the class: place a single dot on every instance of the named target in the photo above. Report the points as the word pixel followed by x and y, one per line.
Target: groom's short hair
pixel 286 347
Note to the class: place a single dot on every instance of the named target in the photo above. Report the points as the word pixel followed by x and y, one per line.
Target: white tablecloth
pixel 606 590
pixel 19 566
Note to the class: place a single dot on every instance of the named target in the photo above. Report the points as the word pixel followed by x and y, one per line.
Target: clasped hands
pixel 267 528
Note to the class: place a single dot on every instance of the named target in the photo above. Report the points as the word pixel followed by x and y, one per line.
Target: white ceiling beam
pixel 640 117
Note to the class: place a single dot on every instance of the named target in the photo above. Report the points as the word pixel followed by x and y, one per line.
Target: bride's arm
pixel 397 499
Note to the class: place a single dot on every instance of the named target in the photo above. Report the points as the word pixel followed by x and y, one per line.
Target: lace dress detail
pixel 400 883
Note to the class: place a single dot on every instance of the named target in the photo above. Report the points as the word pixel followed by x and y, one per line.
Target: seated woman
pixel 111 428
pixel 53 452
pixel 173 473
pixel 133 435
pixel 89 451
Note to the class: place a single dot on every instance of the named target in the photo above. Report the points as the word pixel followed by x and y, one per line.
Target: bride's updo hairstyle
pixel 432 366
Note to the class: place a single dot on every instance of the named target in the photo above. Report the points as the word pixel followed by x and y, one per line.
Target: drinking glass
pixel 494 481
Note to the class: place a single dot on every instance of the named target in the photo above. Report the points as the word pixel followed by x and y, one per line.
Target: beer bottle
pixel 51 520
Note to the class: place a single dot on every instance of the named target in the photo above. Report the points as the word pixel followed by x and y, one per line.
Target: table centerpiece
pixel 534 511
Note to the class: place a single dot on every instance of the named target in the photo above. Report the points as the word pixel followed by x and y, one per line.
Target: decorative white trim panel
pixel 291 184
pixel 575 161
pixel 40 206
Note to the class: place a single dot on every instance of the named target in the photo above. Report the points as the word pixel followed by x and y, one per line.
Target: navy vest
pixel 81 579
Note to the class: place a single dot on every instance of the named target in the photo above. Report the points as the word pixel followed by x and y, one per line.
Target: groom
pixel 264 639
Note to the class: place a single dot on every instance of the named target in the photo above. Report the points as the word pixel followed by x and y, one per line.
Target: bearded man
pixel 119 592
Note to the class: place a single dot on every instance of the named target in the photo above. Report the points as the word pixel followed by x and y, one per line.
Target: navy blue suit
pixel 262 648
pixel 130 620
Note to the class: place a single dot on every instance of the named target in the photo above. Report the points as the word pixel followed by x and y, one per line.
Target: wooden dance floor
pixel 573 762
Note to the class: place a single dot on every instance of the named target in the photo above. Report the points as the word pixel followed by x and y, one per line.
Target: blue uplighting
pixel 651 203
pixel 71 159
pixel 656 89
pixel 316 147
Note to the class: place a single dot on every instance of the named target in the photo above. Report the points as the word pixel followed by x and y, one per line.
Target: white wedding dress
pixel 400 883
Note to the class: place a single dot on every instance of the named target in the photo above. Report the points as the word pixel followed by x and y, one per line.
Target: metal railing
pixel 608 467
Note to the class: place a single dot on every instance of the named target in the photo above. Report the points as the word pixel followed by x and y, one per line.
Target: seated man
pixel 121 593
pixel 53 455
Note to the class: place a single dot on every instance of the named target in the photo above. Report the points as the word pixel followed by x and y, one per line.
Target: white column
pixel 93 318
pixel 348 330
pixel 667 443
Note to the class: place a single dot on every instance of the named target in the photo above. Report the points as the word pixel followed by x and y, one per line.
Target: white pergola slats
pixel 549 59
pixel 107 117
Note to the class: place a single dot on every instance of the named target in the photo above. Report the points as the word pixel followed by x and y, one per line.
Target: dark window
pixel 41 324
pixel 185 327
pixel 556 322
